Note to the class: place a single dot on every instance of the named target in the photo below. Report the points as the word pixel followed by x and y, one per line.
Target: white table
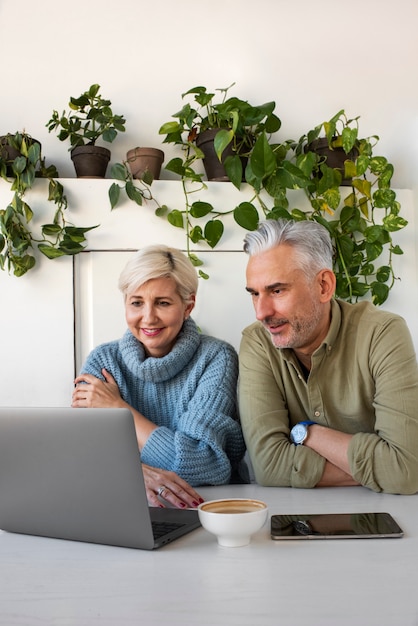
pixel 193 581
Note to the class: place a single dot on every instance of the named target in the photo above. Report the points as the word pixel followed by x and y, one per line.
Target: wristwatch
pixel 299 432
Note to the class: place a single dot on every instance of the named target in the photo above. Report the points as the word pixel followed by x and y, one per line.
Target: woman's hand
pixel 92 392
pixel 162 485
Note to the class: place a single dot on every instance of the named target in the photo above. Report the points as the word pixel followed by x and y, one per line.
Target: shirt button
pixel 317 413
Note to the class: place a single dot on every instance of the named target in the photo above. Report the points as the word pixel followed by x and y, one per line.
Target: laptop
pixel 76 474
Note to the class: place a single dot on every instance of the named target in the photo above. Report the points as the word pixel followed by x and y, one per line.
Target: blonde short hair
pixel 159 261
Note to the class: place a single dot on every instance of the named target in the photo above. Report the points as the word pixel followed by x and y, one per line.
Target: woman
pixel 180 385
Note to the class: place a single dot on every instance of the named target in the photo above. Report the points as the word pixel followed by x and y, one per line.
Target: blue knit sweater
pixel 190 394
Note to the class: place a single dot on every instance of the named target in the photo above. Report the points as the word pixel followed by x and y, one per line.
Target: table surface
pixel 194 581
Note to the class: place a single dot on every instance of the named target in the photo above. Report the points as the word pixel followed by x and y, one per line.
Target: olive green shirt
pixel 363 381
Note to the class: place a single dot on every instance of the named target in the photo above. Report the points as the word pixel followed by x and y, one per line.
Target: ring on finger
pixel 161 490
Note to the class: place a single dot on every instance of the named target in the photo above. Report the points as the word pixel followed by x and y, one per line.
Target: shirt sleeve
pixel 387 459
pixel 207 441
pixel 265 420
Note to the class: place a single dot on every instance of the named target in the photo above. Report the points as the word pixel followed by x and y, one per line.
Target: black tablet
pixel 335 526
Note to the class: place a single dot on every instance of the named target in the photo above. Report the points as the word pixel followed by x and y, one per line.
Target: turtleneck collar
pixel 154 369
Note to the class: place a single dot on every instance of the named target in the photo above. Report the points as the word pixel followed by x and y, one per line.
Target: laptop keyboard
pixel 160 529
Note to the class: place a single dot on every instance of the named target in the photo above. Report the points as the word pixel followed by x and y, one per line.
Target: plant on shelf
pixel 59 237
pixel 242 147
pixel 136 189
pixel 361 221
pixel 89 119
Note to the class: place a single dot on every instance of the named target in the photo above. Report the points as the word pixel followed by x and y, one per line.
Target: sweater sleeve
pixel 207 441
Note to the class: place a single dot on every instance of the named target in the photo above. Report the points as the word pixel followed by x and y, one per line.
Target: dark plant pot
pixel 90 161
pixel 143 160
pixel 8 153
pixel 334 157
pixel 213 166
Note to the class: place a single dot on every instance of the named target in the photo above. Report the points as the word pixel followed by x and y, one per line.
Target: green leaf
pixel 222 140
pixel 345 247
pixel 19 164
pixel 176 166
pixel 373 250
pixel 376 233
pixel 362 163
pixel 350 219
pixel 133 193
pixel 118 171
pixel 175 218
pixel 298 215
pixel 291 176
pixel 397 250
pixel 23 264
pixel 383 274
pixel 78 231
pixel 161 211
pixel 27 211
pixel 383 198
pixel 306 162
pixel 50 251
pixel 109 135
pixel 262 159
pixel 349 138
pixel 380 293
pixel 213 232
pixel 378 164
pixel 278 213
pixel 246 215
pixel 332 197
pixel 233 168
pixel 196 234
pixel 195 260
pixel 330 178
pixel 51 230
pixel 367 269
pixel 147 177
pixel 350 169
pixel 363 186
pixel 34 153
pixel 114 193
pixel 200 209
pixel 170 127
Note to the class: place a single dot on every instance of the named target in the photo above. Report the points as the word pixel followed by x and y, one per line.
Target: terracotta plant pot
pixel 143 160
pixel 334 157
pixel 213 166
pixel 90 161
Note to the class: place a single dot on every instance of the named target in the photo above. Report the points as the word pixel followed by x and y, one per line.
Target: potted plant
pixel 59 237
pixel 90 118
pixel 362 219
pixel 239 136
pixel 226 130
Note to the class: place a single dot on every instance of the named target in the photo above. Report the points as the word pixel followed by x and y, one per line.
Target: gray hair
pixel 311 240
pixel 159 261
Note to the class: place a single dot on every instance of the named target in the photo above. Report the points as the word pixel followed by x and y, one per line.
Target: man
pixel 345 374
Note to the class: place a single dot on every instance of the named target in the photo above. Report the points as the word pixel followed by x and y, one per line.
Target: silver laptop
pixel 76 474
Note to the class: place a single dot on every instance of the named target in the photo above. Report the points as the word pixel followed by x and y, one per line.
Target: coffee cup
pixel 233 520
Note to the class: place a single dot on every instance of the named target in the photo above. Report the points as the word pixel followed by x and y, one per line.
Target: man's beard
pixel 299 331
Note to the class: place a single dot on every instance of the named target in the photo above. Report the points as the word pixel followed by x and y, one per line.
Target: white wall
pixel 144 55
pixel 312 57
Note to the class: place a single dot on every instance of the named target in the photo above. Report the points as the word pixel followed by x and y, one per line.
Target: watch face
pixel 298 433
